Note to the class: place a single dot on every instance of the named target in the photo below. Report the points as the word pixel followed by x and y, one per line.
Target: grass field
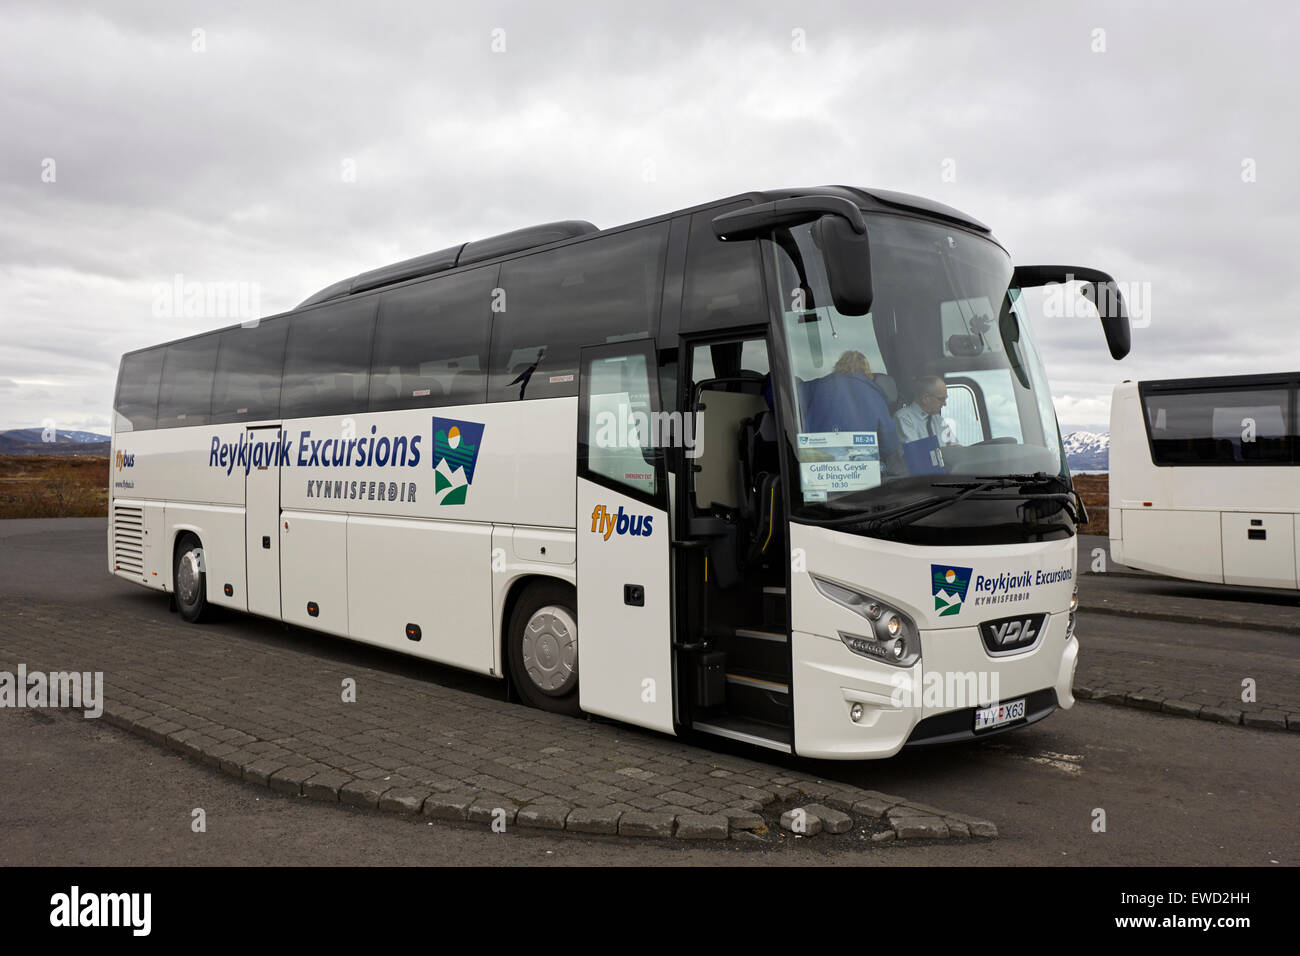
pixel 53 486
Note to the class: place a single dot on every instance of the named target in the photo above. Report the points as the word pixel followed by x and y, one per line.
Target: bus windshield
pixel 940 383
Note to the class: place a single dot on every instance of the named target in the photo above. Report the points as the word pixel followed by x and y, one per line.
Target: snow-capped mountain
pixel 36 441
pixel 1087 451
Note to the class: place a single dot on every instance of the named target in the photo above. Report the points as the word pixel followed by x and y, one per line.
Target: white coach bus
pixel 665 451
pixel 1204 481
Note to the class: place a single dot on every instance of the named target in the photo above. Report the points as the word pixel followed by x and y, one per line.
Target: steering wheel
pixel 1003 440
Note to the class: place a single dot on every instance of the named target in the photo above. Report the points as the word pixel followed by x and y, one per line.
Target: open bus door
pixel 624 600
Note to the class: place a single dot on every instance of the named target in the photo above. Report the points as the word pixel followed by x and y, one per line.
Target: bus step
pixel 756 732
pixel 762 697
pixel 759 683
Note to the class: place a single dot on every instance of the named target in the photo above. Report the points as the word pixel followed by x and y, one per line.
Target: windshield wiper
pixel 916 510
pixel 1067 496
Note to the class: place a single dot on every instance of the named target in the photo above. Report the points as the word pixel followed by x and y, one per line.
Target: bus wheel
pixel 190 581
pixel 542 647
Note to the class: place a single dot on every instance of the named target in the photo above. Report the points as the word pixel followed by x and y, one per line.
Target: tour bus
pixel 665 473
pixel 1204 482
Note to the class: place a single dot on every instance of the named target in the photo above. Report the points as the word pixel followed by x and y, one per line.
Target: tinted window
pixel 137 390
pixel 185 395
pixel 327 361
pixel 247 385
pixel 1238 426
pixel 724 286
pixel 602 290
pixel 431 343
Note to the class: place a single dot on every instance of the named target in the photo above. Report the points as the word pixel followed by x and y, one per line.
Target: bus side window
pixel 605 289
pixel 327 360
pixel 431 342
pixel 724 283
pixel 185 394
pixel 137 390
pixel 249 363
pixel 619 442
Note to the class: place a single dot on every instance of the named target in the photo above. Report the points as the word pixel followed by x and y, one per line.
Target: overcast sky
pixel 286 148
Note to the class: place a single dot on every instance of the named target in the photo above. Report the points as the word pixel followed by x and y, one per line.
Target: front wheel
pixel 190 579
pixel 542 647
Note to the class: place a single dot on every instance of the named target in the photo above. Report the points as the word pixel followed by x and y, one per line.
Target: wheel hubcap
pixel 550 649
pixel 187 577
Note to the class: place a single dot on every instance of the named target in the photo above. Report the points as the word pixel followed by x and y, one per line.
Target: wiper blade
pixel 914 512
pixel 1004 481
pixel 971 489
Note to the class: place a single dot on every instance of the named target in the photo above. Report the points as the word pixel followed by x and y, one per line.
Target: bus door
pixel 262 524
pixel 624 601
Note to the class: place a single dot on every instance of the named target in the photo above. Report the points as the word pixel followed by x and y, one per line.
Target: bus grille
pixel 128 539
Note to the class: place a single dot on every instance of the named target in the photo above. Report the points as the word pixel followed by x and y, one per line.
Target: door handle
pixel 266 541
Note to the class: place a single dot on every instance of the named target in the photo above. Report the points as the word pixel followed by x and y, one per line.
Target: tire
pixel 542 647
pixel 189 580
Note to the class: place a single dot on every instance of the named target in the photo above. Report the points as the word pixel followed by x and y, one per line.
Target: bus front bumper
pixel 895 710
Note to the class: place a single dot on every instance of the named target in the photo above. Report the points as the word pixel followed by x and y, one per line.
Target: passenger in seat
pixel 849 400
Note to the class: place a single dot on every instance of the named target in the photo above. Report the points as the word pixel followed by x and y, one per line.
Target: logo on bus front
pixel 455 453
pixel 948 584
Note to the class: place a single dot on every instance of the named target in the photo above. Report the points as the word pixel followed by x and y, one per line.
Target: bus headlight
pixel 1074 599
pixel 892 636
pixel 1074 606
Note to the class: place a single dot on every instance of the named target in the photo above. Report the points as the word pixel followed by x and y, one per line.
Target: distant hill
pixel 1087 451
pixel 28 441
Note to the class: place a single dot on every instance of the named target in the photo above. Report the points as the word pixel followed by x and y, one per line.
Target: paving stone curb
pixel 1180 707
pixel 832 807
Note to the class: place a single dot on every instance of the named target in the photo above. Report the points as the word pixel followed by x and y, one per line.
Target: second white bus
pixel 1205 479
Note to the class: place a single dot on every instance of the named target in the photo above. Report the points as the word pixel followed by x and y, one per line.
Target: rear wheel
pixel 542 647
pixel 189 579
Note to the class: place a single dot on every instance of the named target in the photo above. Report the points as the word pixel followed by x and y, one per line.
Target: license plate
pixel 1000 714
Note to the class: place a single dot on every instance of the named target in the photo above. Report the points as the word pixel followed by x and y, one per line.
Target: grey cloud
pixel 226 165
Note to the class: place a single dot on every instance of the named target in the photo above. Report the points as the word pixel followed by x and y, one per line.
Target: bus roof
pixel 556 233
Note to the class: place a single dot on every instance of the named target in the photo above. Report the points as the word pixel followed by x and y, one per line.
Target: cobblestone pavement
pixel 276 717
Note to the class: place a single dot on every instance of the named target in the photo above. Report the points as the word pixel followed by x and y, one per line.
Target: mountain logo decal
pixel 455 454
pixel 948 584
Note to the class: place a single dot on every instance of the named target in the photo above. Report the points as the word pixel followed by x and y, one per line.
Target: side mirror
pixel 840 232
pixel 1099 288
pixel 848 264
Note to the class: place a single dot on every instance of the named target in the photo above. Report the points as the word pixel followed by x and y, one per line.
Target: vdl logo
pixel 455 453
pixel 949 584
pixel 124 460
